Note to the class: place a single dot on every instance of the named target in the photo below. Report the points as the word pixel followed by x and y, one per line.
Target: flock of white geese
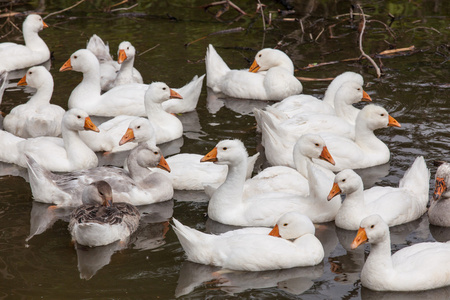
pixel 307 141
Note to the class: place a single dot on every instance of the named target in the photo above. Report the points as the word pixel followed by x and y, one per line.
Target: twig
pixel 260 8
pixel 232 30
pixel 65 9
pixel 386 52
pixel 389 52
pixel 350 14
pixel 314 79
pixel 360 43
pixel 14 25
pixel 421 27
pixel 125 8
pixel 323 29
pixel 148 50
pixel 385 25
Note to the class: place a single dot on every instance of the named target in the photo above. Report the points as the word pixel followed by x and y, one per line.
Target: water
pixel 414 90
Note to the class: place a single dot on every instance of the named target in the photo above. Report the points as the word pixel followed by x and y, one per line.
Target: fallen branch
pixel 65 9
pixel 226 31
pixel 363 27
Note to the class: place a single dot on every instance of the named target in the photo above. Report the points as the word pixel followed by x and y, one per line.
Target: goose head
pixel 345 182
pixel 269 58
pixel 159 92
pixel 227 152
pixel 375 117
pixel 338 81
pixel 313 146
pixel 81 60
pixel 139 130
pixel 372 229
pixel 36 77
pixel 34 23
pixel 292 225
pixel 77 119
pixel 126 51
pixel 150 156
pixel 442 182
pixel 97 193
pixel 351 92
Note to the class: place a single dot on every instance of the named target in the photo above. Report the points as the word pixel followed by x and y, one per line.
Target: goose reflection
pixel 294 281
pixel 150 235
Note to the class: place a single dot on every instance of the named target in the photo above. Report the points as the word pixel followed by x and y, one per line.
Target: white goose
pixel 125 99
pixel 366 150
pixel 439 210
pixel 166 126
pixel 100 221
pixel 290 244
pixel 278 130
pixel 308 104
pixel 419 267
pixel 127 73
pixel 271 76
pixel 138 186
pixel 396 206
pixel 228 206
pixel 289 180
pixel 68 153
pixel 35 51
pixel 37 117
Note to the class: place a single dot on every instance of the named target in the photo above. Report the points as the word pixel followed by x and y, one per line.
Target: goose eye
pixel 343 180
pixel 75 57
pixel 285 224
pixel 372 226
pixel 100 193
pixel 382 115
pixel 359 89
pixel 29 73
pixel 138 127
pixel 224 148
pixel 164 89
pixel 317 144
pixel 128 48
pixel 260 55
pixel 156 152
pixel 79 117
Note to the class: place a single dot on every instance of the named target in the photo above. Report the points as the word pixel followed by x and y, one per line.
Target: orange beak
pixel 335 190
pixel 439 188
pixel 254 67
pixel 326 156
pixel 67 66
pixel 163 164
pixel 366 97
pixel 45 24
pixel 122 56
pixel 23 81
pixel 174 95
pixel 211 156
pixel 393 122
pixel 88 125
pixel 361 238
pixel 275 231
pixel 127 137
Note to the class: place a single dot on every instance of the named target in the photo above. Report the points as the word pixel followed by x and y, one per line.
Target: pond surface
pixel 36 256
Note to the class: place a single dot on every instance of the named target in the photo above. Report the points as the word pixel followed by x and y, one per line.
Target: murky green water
pixel 414 90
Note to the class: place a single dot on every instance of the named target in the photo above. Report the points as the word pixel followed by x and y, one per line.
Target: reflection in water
pixel 92 259
pixel 370 176
pixel 44 215
pixel 294 281
pixel 215 101
pixel 441 293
